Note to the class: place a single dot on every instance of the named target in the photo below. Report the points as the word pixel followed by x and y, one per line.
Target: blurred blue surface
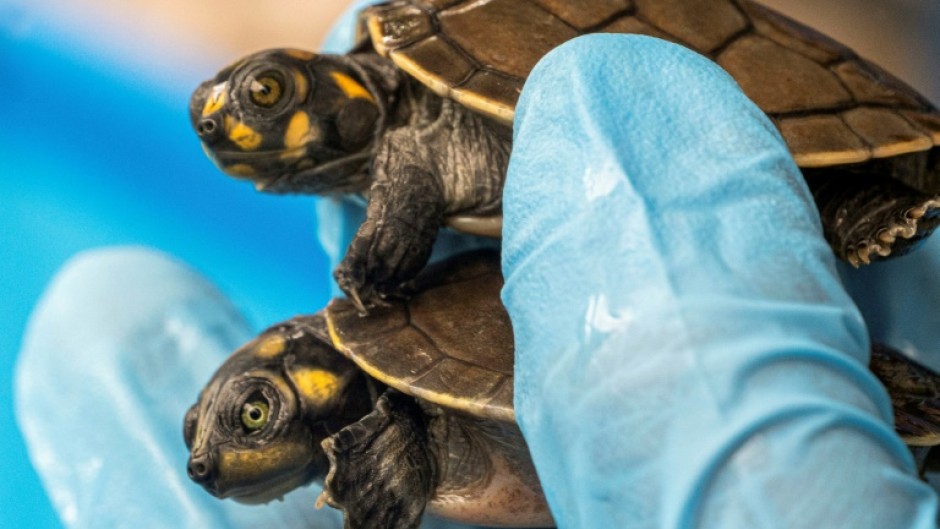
pixel 91 156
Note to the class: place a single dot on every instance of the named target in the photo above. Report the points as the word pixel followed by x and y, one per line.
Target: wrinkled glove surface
pixel 686 354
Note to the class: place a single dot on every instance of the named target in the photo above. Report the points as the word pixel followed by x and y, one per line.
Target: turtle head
pixel 288 120
pixel 255 432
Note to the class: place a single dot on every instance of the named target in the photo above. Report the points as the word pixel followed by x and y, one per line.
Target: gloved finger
pixel 342 35
pixel 685 353
pixel 900 300
pixel 117 350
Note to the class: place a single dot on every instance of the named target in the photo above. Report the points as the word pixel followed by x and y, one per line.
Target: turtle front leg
pixel 381 471
pixel 406 208
pixel 870 217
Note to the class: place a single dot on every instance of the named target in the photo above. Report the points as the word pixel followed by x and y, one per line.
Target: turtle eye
pixel 266 90
pixel 255 414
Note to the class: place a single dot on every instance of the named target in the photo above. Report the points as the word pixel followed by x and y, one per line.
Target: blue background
pixel 91 156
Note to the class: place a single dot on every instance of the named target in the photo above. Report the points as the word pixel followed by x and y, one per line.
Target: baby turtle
pixel 409 408
pixel 418 117
pixel 406 409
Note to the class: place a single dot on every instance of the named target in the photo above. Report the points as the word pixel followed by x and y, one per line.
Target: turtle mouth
pixel 343 165
pixel 257 166
pixel 290 170
pixel 257 493
pixel 241 156
pixel 341 162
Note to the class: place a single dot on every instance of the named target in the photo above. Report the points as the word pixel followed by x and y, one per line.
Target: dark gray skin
pixel 373 130
pixel 287 409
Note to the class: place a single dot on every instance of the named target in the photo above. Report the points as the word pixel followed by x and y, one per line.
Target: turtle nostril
pixel 207 128
pixel 199 469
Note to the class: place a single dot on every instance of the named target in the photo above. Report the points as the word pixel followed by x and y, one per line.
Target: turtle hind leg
pixel 868 217
pixel 381 470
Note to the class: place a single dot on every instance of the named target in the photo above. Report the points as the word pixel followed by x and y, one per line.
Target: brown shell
pixel 830 105
pixel 451 344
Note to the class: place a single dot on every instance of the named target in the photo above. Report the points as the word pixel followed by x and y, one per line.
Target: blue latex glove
pixel 686 354
pixel 117 350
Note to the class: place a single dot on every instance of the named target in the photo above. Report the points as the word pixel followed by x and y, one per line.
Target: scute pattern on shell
pixel 450 344
pixel 824 99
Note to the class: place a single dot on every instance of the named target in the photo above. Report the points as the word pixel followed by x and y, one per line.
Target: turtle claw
pixel 364 296
pixel 374 300
pixel 351 280
pixel 402 293
pixel 357 302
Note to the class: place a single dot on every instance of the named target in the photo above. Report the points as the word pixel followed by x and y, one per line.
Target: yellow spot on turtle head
pixel 317 386
pixel 299 132
pixel 216 100
pixel 302 55
pixel 351 87
pixel 301 84
pixel 243 464
pixel 241 458
pixel 271 346
pixel 242 135
pixel 242 170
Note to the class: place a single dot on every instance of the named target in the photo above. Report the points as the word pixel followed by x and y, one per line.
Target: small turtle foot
pixel 871 217
pixel 379 262
pixel 395 241
pixel 381 473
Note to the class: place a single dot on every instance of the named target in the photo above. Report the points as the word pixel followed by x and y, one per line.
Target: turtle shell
pixel 831 106
pixel 450 344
